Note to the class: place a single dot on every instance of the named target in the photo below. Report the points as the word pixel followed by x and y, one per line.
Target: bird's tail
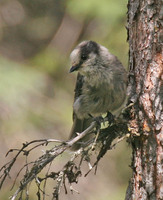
pixel 79 125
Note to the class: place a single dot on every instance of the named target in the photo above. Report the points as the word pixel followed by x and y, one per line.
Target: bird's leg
pixel 98 121
pixel 110 117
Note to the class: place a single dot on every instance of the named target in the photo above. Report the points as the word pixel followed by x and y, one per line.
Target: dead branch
pixel 71 171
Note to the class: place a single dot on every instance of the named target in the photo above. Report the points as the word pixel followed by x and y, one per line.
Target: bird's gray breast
pixel 98 97
pixel 100 93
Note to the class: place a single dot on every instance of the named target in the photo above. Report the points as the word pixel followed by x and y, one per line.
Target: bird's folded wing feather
pixel 79 125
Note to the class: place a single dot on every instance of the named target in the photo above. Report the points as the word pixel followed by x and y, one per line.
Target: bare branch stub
pixel 71 171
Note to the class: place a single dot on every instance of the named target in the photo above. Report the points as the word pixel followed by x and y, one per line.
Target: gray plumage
pixel 100 87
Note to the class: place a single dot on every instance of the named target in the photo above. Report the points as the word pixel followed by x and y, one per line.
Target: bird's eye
pixel 84 57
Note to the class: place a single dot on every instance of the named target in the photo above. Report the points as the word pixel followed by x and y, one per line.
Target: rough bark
pixel 145 36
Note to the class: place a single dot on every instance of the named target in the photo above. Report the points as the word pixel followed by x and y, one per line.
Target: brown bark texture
pixel 145 36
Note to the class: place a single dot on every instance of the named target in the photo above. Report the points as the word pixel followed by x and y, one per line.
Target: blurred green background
pixel 36 90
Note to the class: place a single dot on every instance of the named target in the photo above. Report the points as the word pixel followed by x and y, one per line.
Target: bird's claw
pixel 110 117
pixel 99 120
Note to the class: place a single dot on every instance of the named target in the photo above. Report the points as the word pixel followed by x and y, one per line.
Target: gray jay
pixel 100 86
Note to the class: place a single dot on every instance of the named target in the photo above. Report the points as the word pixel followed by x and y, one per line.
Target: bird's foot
pixel 99 120
pixel 110 117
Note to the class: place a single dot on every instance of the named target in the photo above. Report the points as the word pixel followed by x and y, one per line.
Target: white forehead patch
pixel 74 56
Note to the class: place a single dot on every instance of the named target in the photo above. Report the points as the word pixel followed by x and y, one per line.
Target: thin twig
pixel 71 171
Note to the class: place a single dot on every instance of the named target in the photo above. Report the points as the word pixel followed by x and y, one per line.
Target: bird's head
pixel 85 57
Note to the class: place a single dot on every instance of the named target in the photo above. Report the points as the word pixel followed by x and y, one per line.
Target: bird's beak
pixel 74 68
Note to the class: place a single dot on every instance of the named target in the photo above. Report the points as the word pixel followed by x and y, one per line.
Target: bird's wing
pixel 79 125
pixel 78 88
pixel 79 85
pixel 78 91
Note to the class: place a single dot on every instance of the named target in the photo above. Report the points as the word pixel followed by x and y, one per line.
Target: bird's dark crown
pixel 89 47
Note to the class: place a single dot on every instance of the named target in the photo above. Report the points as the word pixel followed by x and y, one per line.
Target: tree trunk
pixel 145 35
